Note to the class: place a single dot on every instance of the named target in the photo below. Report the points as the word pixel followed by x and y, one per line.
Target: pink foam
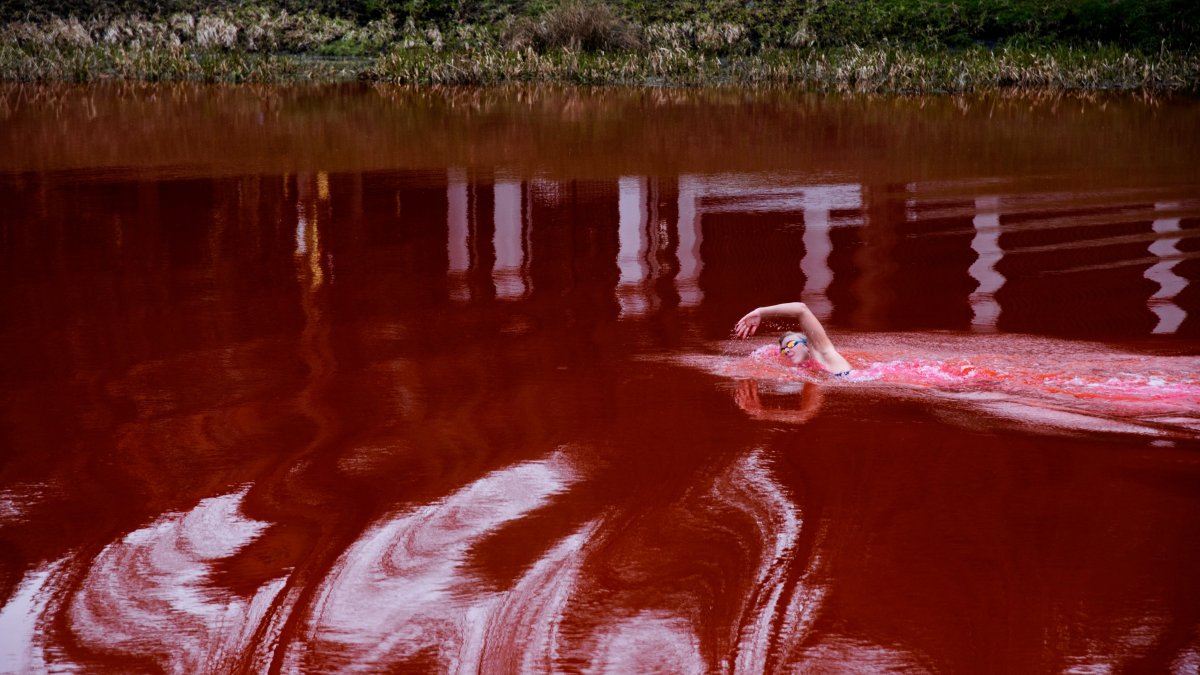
pixel 1081 376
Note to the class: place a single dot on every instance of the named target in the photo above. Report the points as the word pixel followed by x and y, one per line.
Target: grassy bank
pixel 584 43
pixel 874 69
pixel 1143 24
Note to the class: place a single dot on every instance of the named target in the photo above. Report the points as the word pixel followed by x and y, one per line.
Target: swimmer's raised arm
pixel 748 325
pixel 818 341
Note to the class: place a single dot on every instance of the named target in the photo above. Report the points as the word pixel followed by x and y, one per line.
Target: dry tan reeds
pixel 248 29
pixel 587 25
pixel 853 69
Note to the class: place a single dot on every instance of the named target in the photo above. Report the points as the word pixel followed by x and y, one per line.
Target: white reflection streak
pixel 687 282
pixel 774 637
pixel 1117 653
pixel 986 245
pixel 1063 419
pixel 1170 315
pixel 818 244
pixel 301 230
pixel 632 244
pixel 521 626
pixel 649 642
pixel 1187 663
pixel 149 595
pixel 20 651
pixel 401 589
pixel 457 244
pixel 775 615
pixel 510 255
pixel 750 485
pixel 741 193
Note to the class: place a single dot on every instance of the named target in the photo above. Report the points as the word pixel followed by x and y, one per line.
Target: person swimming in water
pixel 811 345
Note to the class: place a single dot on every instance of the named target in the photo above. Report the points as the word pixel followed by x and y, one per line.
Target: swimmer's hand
pixel 748 325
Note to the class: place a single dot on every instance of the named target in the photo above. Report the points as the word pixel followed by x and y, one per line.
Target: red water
pixel 368 379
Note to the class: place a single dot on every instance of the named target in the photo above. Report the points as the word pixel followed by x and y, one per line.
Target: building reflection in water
pixel 819 202
pixel 457 247
pixel 761 195
pixel 951 232
pixel 646 234
pixel 633 242
pixel 687 282
pixel 1170 315
pixel 311 191
pixel 508 276
pixel 469 250
pixel 986 245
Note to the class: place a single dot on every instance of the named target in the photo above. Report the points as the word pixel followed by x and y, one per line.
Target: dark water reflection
pixel 326 379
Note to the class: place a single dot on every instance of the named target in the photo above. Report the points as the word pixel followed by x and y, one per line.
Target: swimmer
pixel 798 347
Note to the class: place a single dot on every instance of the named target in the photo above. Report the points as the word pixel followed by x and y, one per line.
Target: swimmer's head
pixel 794 347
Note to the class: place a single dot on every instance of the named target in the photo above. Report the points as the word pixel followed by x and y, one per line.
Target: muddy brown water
pixel 326 379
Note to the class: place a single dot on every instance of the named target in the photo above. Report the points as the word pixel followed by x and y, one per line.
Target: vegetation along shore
pixel 917 46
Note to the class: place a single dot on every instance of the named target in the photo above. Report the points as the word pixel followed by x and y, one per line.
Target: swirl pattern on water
pixel 160 576
pixel 400 591
pixel 401 594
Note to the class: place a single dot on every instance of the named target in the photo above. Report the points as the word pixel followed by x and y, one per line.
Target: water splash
pixel 1045 381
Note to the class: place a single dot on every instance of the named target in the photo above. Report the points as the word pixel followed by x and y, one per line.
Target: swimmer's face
pixel 794 348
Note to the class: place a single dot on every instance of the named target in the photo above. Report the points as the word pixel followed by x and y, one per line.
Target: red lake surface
pixel 373 379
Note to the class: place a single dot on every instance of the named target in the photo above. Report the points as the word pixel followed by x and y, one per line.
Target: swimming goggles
pixel 791 344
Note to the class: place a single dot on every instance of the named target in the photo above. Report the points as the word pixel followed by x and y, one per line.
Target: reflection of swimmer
pixel 746 396
pixel 811 347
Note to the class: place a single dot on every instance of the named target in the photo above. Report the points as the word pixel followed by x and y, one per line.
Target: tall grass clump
pixel 580 25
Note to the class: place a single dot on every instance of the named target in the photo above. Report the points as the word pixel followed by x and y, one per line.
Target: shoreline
pixel 578 44
pixel 880 69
